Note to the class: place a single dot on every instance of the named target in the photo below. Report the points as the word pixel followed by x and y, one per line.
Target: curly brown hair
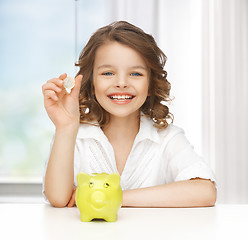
pixel 135 38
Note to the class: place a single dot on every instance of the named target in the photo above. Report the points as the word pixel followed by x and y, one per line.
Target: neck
pixel 122 128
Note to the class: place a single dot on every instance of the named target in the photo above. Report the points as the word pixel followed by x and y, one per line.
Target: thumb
pixel 76 90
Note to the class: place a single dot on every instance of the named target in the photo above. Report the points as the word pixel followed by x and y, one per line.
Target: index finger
pixel 63 76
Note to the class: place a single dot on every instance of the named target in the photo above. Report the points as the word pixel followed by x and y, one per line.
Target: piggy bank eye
pixel 106 185
pixel 91 184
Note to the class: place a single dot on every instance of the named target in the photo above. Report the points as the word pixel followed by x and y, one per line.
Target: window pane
pixel 37 43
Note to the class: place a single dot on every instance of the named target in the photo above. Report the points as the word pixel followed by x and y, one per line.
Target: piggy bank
pixel 99 196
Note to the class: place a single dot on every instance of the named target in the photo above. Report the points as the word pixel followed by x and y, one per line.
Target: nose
pixel 121 82
pixel 98 199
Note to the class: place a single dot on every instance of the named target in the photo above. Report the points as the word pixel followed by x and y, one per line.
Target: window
pixel 39 40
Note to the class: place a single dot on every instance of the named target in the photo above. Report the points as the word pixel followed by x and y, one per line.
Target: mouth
pixel 121 98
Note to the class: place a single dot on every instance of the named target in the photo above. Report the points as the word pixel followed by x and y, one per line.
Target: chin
pixel 123 113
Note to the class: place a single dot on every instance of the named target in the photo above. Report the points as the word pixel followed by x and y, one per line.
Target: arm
pixel 190 193
pixel 59 177
pixel 63 110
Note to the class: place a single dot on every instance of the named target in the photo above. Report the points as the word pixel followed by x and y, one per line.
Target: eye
pixel 91 185
pixel 107 74
pixel 136 74
pixel 106 185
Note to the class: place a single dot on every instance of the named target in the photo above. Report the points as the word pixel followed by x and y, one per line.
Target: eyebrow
pixel 132 67
pixel 139 66
pixel 104 66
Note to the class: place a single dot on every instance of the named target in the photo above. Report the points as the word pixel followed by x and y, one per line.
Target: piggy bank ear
pixel 114 178
pixel 82 178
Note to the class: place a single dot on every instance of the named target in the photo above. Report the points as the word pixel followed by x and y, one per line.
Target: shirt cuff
pixel 197 170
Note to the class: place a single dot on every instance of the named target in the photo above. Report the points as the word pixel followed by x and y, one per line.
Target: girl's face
pixel 121 79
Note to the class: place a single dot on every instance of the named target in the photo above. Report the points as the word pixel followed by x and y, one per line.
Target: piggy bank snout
pixel 98 199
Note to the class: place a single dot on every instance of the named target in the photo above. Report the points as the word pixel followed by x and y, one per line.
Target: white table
pixel 41 221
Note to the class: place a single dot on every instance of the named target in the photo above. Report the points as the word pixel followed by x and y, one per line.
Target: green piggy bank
pixel 99 196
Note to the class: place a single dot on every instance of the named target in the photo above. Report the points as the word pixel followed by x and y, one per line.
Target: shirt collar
pixel 146 131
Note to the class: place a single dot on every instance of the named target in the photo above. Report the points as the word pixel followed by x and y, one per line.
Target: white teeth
pixel 121 97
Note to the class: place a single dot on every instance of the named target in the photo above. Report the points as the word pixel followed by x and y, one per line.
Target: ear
pixel 114 178
pixel 82 177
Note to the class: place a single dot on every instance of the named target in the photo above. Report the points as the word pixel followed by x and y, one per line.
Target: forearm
pixel 60 169
pixel 190 193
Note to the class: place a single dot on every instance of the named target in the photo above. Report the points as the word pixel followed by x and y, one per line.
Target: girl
pixel 113 121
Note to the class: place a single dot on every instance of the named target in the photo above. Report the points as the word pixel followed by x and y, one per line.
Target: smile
pixel 121 98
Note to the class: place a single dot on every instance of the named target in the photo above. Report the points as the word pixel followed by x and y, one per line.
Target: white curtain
pixel 225 88
pixel 212 38
pixel 142 13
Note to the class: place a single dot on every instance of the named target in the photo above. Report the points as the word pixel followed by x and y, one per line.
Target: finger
pixel 56 85
pixel 63 76
pixel 62 94
pixel 51 86
pixel 49 94
pixel 72 200
pixel 75 91
pixel 71 203
pixel 56 81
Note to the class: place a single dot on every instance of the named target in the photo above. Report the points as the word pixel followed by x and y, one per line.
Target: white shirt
pixel 157 156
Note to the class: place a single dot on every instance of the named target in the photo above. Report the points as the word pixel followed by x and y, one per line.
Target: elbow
pixel 210 202
pixel 58 204
pixel 57 201
pixel 206 193
pixel 210 195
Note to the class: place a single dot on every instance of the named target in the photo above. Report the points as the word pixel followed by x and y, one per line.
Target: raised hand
pixel 62 108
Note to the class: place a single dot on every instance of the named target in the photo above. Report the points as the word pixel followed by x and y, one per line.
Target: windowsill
pixel 20 190
pixel 21 180
pixel 21 199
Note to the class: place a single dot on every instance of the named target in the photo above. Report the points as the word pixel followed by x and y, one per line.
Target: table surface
pixel 42 221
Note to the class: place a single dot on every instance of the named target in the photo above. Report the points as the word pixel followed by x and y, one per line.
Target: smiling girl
pixel 113 121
